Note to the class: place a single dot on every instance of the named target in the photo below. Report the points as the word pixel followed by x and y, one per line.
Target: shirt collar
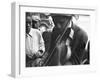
pixel 72 31
pixel 29 34
pixel 70 24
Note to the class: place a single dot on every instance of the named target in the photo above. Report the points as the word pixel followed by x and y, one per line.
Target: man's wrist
pixel 39 53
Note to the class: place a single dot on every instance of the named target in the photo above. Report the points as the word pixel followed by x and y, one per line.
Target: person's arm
pixel 41 45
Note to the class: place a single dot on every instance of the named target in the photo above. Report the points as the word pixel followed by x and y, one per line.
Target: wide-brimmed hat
pixel 59 15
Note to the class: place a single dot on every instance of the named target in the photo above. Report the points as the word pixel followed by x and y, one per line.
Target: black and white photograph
pixel 56 39
pixel 52 40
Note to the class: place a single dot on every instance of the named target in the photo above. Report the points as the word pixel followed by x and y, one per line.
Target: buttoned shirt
pixel 34 42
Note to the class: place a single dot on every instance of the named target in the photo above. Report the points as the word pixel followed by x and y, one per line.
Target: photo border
pixel 16 54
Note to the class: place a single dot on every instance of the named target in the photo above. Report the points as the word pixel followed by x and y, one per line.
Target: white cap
pixel 36 17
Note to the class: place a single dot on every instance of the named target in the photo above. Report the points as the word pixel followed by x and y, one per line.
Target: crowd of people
pixel 53 39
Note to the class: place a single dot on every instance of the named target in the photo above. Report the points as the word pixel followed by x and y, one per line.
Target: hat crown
pixel 36 18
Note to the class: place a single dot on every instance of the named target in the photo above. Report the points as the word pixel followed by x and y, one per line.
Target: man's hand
pixel 30 55
pixel 39 54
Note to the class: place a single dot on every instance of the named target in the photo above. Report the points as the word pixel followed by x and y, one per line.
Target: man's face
pixel 60 21
pixel 35 24
pixel 28 24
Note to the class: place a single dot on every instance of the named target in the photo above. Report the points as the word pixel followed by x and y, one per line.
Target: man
pixel 68 42
pixel 34 42
pixel 46 33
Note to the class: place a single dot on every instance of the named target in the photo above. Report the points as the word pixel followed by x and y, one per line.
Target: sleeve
pixel 51 22
pixel 41 43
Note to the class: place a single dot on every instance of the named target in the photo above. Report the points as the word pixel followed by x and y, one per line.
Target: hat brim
pixel 61 15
